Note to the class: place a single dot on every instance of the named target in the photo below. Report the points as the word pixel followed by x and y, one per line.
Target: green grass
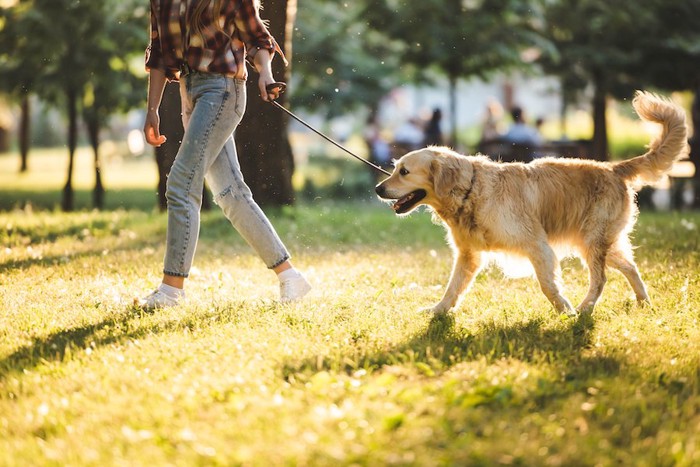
pixel 352 375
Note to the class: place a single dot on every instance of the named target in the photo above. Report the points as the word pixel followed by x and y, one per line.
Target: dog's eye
pixel 403 171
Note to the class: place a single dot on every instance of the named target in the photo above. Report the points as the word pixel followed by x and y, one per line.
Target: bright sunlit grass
pixel 353 374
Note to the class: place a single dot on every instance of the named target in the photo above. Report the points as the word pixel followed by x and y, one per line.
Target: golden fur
pixel 530 209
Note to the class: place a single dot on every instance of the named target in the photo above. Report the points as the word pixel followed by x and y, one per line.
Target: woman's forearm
pixel 156 86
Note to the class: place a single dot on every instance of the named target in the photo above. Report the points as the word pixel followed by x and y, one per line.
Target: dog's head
pixel 426 176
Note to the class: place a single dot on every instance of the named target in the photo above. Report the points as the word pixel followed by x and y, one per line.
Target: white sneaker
pixel 293 288
pixel 157 299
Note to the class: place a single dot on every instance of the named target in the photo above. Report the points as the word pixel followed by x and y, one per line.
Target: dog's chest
pixel 466 233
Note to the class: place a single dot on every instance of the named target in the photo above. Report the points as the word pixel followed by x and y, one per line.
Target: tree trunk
pixel 600 128
pixel 694 144
pixel 24 127
pixel 71 95
pixel 562 116
pixel 262 143
pixel 453 111
pixel 93 127
pixel 170 125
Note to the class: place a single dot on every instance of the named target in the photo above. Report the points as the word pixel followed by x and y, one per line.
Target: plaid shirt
pixel 221 50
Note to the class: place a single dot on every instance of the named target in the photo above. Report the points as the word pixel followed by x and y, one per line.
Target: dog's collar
pixel 461 209
pixel 468 191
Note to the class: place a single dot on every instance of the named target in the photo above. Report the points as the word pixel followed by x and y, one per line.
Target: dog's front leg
pixel 465 268
pixel 546 265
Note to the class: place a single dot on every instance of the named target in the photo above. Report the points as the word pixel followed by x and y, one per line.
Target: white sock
pixel 170 291
pixel 288 274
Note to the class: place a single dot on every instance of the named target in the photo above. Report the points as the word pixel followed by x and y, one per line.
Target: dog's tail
pixel 663 150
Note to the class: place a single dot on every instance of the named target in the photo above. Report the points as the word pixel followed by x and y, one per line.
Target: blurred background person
pixel 433 132
pixel 377 146
pixel 520 132
pixel 491 126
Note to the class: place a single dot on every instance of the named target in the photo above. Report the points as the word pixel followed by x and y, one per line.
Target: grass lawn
pixel 352 375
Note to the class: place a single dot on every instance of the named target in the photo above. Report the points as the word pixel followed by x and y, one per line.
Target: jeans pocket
pixel 239 88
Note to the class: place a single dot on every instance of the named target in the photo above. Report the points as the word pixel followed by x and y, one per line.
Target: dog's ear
pixel 446 174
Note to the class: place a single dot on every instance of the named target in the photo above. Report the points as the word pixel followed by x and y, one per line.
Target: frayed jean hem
pixel 176 274
pixel 285 258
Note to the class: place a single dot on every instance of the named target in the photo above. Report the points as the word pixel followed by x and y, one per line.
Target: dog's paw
pixel 568 312
pixel 438 309
pixel 585 308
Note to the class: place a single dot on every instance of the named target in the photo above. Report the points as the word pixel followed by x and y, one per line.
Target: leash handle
pixel 338 145
pixel 282 86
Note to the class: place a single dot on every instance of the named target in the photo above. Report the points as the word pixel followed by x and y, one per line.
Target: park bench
pixel 506 151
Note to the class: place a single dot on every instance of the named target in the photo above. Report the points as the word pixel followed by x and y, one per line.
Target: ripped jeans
pixel 212 107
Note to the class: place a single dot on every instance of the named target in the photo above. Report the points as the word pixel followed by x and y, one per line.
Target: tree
pixel 170 125
pixel 112 86
pixel 20 65
pixel 670 48
pixel 458 38
pixel 262 143
pixel 341 63
pixel 74 54
pixel 65 33
pixel 619 48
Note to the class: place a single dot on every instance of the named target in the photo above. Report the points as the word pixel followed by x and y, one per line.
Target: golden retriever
pixel 530 210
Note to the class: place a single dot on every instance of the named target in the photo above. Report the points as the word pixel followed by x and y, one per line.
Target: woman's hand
pixel 263 63
pixel 270 89
pixel 151 129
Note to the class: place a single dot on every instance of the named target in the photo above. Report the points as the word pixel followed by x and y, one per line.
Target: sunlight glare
pixel 135 142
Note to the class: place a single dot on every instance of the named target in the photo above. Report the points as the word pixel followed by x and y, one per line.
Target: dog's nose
pixel 379 189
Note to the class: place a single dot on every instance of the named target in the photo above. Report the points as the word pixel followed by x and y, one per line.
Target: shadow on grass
pixel 62 345
pixel 49 261
pixel 442 345
pixel 140 199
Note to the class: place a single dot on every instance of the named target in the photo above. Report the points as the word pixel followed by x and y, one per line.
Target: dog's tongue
pixel 401 201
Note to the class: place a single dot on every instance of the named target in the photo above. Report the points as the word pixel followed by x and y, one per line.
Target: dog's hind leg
pixel 595 257
pixel 466 266
pixel 620 257
pixel 548 272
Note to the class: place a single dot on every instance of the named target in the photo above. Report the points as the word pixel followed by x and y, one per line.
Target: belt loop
pixel 186 73
pixel 185 69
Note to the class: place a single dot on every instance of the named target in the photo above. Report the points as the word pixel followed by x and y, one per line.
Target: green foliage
pixel 460 39
pixel 623 46
pixel 340 62
pixel 113 85
pixel 59 47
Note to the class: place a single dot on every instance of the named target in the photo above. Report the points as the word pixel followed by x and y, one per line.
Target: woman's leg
pixel 212 107
pixel 235 199
pixel 211 111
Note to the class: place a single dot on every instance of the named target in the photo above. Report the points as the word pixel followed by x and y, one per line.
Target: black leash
pixel 291 114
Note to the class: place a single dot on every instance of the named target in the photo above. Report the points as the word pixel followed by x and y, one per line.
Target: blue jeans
pixel 212 107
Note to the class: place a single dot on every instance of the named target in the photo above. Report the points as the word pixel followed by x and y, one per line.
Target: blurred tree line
pixel 85 57
pixel 76 56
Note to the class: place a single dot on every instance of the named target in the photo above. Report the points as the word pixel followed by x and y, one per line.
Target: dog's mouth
pixel 408 202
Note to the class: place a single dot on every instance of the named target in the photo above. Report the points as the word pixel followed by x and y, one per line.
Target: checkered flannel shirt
pixel 221 50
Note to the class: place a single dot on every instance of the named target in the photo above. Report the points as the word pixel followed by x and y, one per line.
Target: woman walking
pixel 204 45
